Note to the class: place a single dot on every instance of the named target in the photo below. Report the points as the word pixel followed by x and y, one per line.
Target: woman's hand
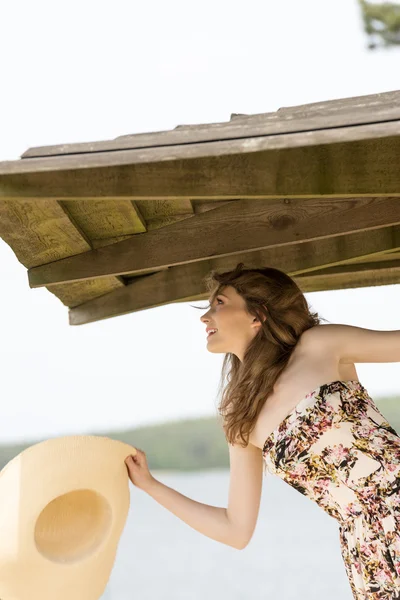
pixel 138 470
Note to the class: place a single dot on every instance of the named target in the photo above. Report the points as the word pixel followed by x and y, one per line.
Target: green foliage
pixel 183 445
pixel 186 445
pixel 381 21
pixel 192 444
pixel 389 406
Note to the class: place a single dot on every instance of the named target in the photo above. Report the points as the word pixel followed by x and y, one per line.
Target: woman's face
pixel 236 328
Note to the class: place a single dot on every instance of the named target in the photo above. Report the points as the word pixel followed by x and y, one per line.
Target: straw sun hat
pixel 63 507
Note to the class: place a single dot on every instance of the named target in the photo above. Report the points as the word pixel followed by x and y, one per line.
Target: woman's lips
pixel 210 334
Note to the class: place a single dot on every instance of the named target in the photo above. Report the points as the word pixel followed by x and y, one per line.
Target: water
pixel 294 552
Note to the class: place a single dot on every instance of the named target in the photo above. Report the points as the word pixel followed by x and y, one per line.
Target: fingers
pixel 131 458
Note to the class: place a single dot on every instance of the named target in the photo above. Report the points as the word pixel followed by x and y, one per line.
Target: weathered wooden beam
pixel 43 232
pixel 183 283
pixel 356 161
pixel 234 228
pixel 351 276
pixel 342 112
pixel 371 265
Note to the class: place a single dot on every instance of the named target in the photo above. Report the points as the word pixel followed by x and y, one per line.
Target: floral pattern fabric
pixel 336 448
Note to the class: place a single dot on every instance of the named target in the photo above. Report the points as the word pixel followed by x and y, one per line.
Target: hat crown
pixel 72 526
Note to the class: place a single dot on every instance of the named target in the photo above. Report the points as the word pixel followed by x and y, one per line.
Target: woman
pixel 331 443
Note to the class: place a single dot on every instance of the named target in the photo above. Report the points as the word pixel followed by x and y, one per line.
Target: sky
pixel 90 71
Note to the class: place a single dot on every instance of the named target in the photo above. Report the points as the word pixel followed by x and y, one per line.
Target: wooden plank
pixel 76 293
pixel 363 168
pixel 100 219
pixel 391 254
pixel 45 231
pixel 342 112
pixel 237 146
pixel 183 283
pixel 160 213
pixel 352 277
pixel 371 105
pixel 371 265
pixel 234 228
pixel 41 233
pixel 105 221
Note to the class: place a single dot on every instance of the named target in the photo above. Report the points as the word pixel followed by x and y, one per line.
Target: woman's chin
pixel 215 348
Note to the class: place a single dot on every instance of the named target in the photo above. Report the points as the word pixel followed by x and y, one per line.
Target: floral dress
pixel 337 448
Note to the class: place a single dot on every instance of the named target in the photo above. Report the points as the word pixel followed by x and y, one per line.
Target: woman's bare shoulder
pixel 318 335
pixel 316 332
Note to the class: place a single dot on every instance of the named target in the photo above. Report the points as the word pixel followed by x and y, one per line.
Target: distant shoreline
pixel 188 444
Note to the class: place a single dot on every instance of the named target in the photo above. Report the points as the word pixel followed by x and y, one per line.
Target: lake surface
pixel 294 552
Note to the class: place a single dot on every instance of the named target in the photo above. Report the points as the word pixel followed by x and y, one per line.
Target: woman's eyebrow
pixel 209 300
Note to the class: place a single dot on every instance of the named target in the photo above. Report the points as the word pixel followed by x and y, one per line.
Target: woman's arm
pixel 211 521
pixel 233 526
pixel 356 344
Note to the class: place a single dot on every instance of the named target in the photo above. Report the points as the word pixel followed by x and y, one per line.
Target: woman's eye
pixel 219 300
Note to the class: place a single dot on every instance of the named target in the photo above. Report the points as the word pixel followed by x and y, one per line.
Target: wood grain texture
pixel 234 228
pixel 122 225
pixel 343 112
pixel 183 283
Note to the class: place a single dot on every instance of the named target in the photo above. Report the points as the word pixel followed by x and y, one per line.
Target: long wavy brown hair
pixel 277 301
